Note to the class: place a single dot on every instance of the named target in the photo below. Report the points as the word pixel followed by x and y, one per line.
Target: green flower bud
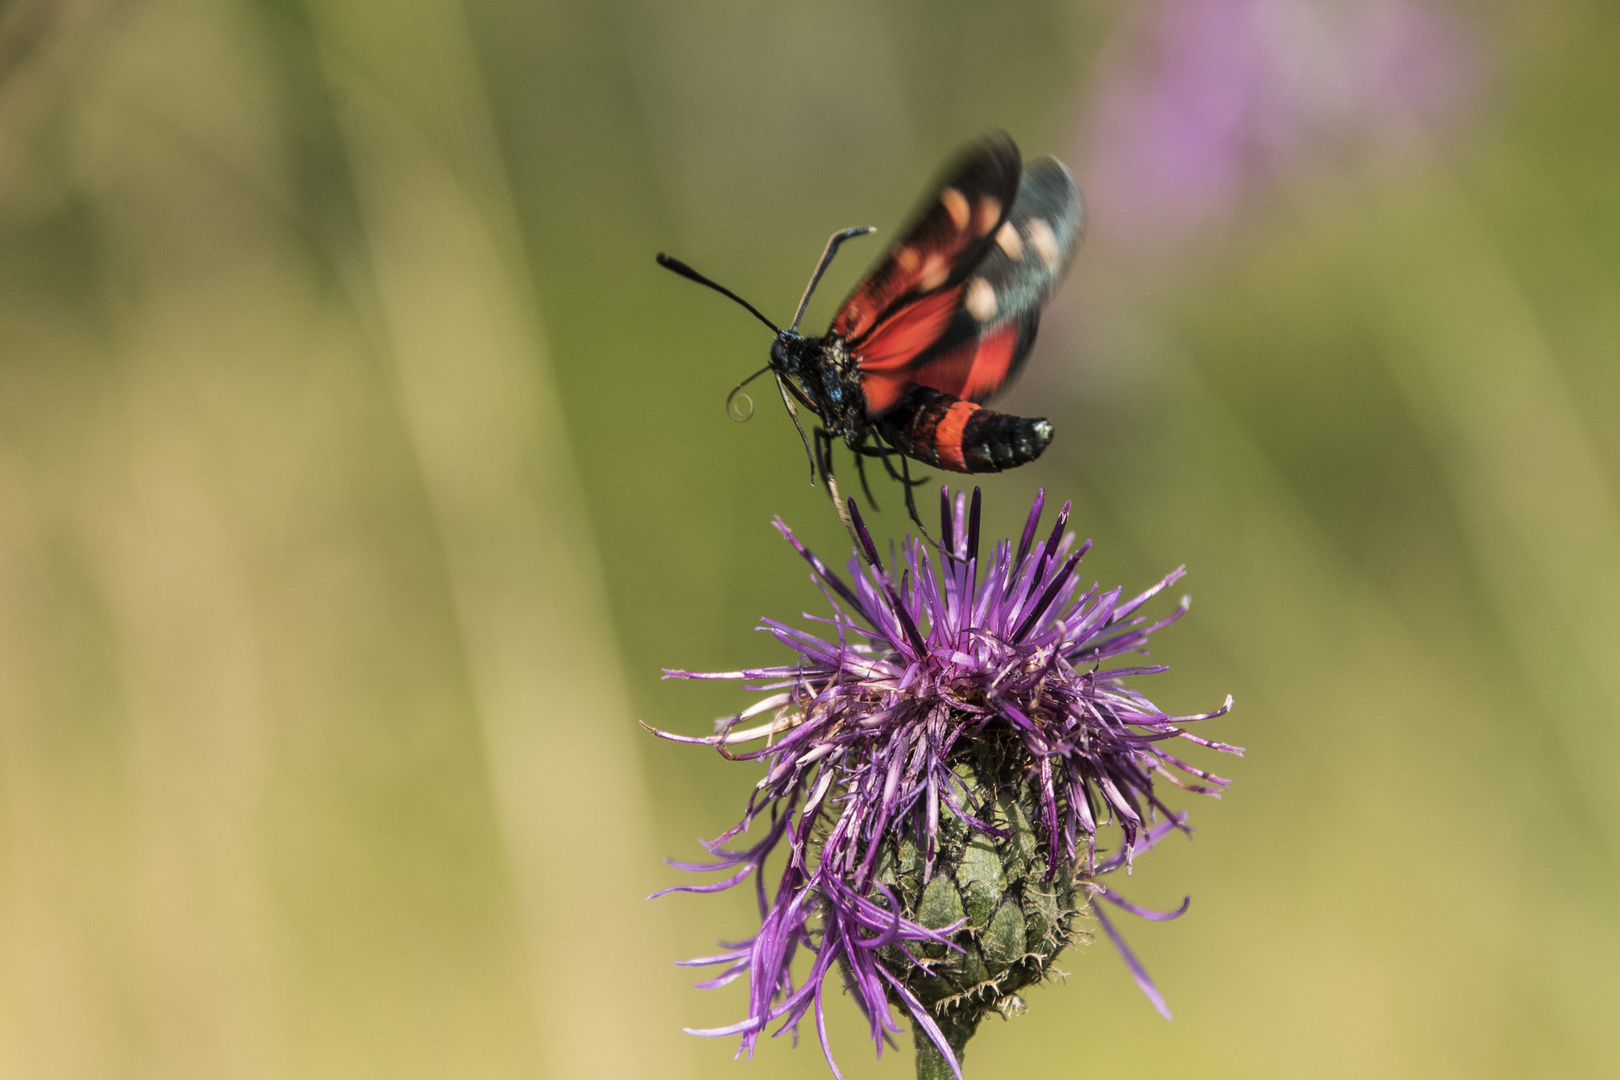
pixel 1016 917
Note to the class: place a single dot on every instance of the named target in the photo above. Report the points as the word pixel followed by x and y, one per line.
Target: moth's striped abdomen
pixel 949 433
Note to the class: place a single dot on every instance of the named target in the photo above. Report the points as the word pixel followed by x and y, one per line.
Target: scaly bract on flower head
pixel 954 722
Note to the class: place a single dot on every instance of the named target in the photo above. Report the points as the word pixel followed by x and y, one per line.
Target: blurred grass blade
pixel 493 451
pixel 1525 473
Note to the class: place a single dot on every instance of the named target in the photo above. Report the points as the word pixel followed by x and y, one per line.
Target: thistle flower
pixel 939 770
pixel 1205 102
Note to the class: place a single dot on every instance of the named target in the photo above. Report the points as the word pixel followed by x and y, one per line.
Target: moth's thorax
pixel 830 378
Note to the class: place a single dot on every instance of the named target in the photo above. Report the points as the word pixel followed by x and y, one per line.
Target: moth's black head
pixel 788 352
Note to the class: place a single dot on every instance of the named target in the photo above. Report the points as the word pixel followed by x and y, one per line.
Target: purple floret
pixel 859 741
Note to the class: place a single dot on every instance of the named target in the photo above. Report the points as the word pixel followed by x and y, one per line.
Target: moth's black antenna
pixel 741 417
pixel 687 272
pixel 821 267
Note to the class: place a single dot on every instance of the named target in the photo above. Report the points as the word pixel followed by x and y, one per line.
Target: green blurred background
pixel 359 471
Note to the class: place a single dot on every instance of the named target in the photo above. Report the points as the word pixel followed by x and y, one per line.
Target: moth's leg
pixel 862 452
pixel 785 386
pixel 903 477
pixel 911 502
pixel 886 454
pixel 824 445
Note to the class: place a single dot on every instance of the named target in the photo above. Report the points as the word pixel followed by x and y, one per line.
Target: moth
pixel 944 320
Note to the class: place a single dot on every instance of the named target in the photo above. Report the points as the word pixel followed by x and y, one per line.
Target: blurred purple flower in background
pixel 1202 101
pixel 939 769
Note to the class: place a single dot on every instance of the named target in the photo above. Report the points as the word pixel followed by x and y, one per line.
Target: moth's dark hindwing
pixel 1036 243
pixel 991 331
pixel 942 430
pixel 1033 249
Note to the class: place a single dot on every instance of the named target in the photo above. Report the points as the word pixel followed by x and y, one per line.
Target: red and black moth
pixel 945 319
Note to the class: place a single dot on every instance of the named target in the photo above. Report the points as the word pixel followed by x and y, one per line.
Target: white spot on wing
pixel 934 272
pixel 956 205
pixel 1044 241
pixel 981 299
pixel 989 212
pixel 1007 237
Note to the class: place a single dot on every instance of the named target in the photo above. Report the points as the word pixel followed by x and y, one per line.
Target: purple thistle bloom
pixel 1202 103
pixel 938 767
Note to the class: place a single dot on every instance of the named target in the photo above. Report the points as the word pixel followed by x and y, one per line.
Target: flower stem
pixel 931 1064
